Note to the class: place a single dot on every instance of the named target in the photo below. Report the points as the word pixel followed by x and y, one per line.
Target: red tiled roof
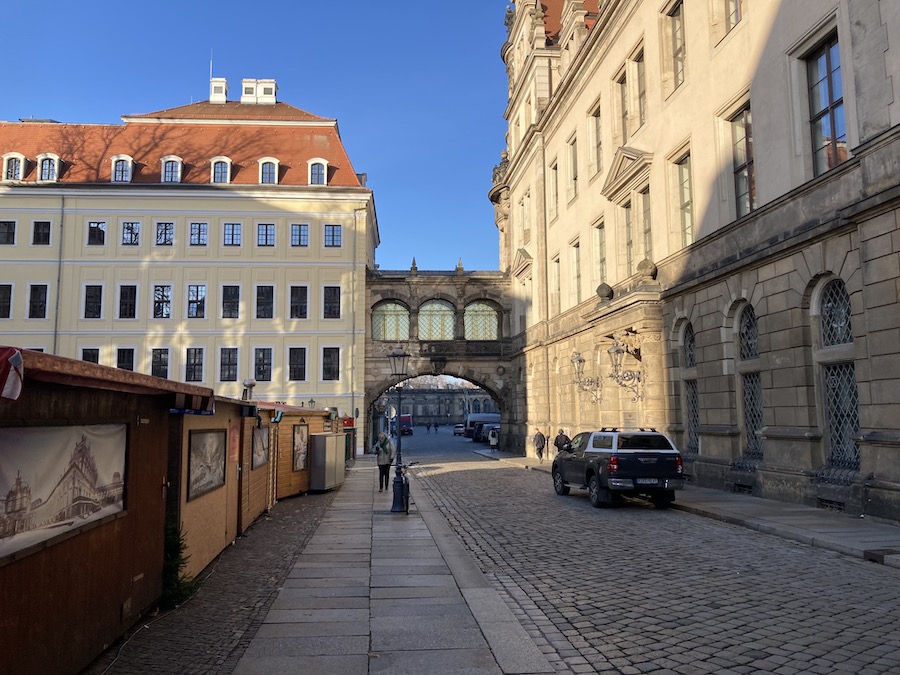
pixel 553 17
pixel 86 150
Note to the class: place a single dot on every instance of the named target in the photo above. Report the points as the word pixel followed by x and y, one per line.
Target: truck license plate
pixel 646 481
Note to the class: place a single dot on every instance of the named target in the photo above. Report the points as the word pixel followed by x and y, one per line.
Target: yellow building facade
pixel 222 243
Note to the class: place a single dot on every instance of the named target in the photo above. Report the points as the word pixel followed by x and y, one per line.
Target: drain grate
pixel 831 505
pixel 742 489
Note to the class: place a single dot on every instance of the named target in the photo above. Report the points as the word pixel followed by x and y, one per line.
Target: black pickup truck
pixel 613 463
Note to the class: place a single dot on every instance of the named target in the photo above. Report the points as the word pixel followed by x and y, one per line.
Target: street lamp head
pixel 312 403
pixel 616 352
pixel 399 360
pixel 578 363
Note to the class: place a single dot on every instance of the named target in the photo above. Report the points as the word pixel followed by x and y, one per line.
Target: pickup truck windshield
pixel 643 442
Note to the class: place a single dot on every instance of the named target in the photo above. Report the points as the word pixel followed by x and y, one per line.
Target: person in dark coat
pixel 540 441
pixel 560 440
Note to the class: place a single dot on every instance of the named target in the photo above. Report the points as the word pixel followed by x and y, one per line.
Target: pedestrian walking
pixel 384 457
pixel 428 428
pixel 560 440
pixel 539 441
pixel 494 438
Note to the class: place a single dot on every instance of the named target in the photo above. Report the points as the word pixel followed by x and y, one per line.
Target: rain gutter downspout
pixel 62 213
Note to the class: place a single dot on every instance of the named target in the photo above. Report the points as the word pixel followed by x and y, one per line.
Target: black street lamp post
pixel 399 359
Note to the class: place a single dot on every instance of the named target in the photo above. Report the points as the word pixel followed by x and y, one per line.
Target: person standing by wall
pixel 384 457
pixel 560 440
pixel 540 441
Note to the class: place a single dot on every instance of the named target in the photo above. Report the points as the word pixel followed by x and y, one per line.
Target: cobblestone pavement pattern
pixel 638 590
pixel 210 632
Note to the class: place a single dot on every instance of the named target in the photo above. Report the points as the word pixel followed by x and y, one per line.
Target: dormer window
pixel 268 171
pixel 171 169
pixel 221 170
pixel 48 167
pixel 13 166
pixel 122 169
pixel 318 172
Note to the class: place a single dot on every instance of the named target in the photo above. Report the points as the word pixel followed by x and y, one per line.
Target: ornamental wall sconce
pixel 627 379
pixel 438 363
pixel 593 386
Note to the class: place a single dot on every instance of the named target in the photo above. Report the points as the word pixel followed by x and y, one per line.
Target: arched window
pixel 13 167
pixel 317 173
pixel 121 170
pixel 221 170
pixel 436 320
pixel 390 321
pixel 476 406
pixel 268 171
pixel 689 347
pixel 482 321
pixel 171 169
pixel 750 388
pixel 48 167
pixel 838 375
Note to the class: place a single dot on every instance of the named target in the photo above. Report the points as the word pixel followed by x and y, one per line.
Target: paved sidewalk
pixel 381 592
pixel 857 537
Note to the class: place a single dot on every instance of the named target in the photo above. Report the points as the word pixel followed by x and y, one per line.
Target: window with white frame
pixel 299 302
pixel 125 358
pixel 162 301
pixel 231 302
pixel 734 10
pixel 37 301
pixel 171 169
pixel 93 301
pixel 628 222
pixel 331 302
pixel 196 301
pixel 641 92
pixel 128 301
pixel 743 168
pixel 674 46
pixel 268 171
pixel 228 364
pixel 231 234
pixel 265 234
pixel 297 364
pixel 40 233
pixel 96 233
pixel 48 167
pixel 624 105
pixel 332 236
pixel 600 251
pixel 318 172
pixel 685 200
pixel 575 261
pixel 646 223
pixel 262 364
pixel 595 127
pixel 121 168
pixel 572 167
pixel 220 170
pixel 525 208
pixel 300 234
pixel 331 363
pixel 553 189
pixel 5 301
pixel 554 286
pixel 90 354
pixel 826 105
pixel 159 362
pixel 265 302
pixel 13 166
pixel 131 233
pixel 199 234
pixel 193 364
pixel 165 234
pixel 7 233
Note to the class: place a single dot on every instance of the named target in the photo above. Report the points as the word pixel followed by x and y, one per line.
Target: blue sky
pixel 418 90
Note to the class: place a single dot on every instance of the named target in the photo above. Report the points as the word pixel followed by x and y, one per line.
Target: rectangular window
pixel 231 302
pixel 333 236
pixel 629 240
pixel 297 363
pixel 678 49
pixel 193 364
pixel 196 301
pixel 733 11
pixel 597 133
pixel 685 200
pixel 162 302
pixel 299 302
pixel 646 228
pixel 331 302
pixel 228 364
pixel 159 363
pixel 90 354
pixel 826 106
pixel 7 232
pixel 125 358
pixel 554 286
pixel 5 301
pixel 232 233
pixel 553 189
pixel 744 173
pixel 96 233
pixel 131 233
pixel 600 251
pixel 93 301
pixel 622 87
pixel 40 233
pixel 165 234
pixel 199 234
pixel 331 363
pixel 265 302
pixel 576 271
pixel 573 167
pixel 127 302
pixel 37 301
pixel 262 364
pixel 299 235
pixel 641 88
pixel 265 234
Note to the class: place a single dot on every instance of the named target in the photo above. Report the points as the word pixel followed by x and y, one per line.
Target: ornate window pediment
pixel 629 171
pixel 521 265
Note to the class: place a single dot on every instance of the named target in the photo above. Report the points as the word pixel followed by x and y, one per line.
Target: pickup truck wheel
pixel 558 483
pixel 597 495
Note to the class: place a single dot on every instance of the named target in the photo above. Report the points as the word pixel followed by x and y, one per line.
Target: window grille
pixel 690 346
pixel 436 321
pixel 842 412
pixel 835 308
pixel 749 334
pixel 692 410
pixel 482 322
pixel 753 419
pixel 390 321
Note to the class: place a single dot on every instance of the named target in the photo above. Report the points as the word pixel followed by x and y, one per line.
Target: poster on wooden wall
pixel 56 479
pixel 206 462
pixel 301 442
pixel 260 447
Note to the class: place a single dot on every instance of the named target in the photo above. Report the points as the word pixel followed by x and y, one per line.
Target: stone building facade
pixel 698 208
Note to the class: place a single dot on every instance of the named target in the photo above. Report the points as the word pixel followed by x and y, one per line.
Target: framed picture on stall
pixel 301 443
pixel 206 462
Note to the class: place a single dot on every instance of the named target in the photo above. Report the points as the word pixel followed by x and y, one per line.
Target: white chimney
pixel 218 90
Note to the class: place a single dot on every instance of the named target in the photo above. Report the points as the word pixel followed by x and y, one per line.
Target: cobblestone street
pixel 637 590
